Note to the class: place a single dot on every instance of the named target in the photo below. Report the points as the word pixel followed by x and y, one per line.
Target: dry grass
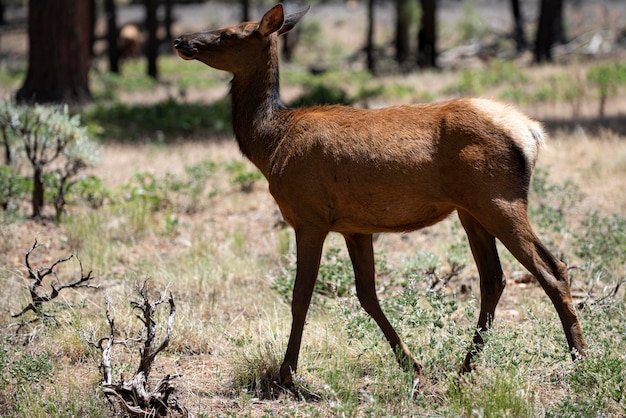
pixel 220 264
pixel 222 260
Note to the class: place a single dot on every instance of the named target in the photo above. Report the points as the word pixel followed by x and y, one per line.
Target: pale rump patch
pixel 527 133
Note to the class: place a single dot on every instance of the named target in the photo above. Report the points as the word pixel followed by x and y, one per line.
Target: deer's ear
pixel 292 19
pixel 272 20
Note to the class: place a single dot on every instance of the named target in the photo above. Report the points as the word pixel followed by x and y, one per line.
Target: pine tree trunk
pixel 152 50
pixel 369 48
pixel 549 29
pixel 427 35
pixel 403 24
pixel 59 52
pixel 518 32
pixel 112 36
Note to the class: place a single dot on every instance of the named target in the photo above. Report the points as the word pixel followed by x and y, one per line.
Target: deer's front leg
pixel 309 245
pixel 362 256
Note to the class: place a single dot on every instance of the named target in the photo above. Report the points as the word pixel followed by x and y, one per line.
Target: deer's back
pixel 403 167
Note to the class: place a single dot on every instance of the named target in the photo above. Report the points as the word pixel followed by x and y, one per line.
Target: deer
pixel 360 172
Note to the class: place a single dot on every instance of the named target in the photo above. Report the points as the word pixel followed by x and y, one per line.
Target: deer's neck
pixel 258 113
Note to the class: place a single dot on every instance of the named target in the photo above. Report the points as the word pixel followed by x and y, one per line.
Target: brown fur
pixel 360 171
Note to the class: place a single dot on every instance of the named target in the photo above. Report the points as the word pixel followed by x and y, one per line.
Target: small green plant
pixel 22 377
pixel 186 191
pixel 471 25
pixel 90 190
pixel 559 88
pixel 601 243
pixel 499 394
pixel 197 177
pixel 551 203
pixel 607 78
pixel 31 368
pixel 474 82
pixel 13 188
pixel 243 177
pixel 335 278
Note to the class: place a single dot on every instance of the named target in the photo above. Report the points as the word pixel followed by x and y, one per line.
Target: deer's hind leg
pixel 492 283
pixel 512 227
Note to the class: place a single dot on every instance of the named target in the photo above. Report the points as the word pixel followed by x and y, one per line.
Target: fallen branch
pixel 134 396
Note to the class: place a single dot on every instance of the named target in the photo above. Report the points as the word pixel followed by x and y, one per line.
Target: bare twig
pixel 589 301
pixel 455 269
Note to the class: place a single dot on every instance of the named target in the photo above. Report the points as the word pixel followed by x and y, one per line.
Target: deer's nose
pixel 178 41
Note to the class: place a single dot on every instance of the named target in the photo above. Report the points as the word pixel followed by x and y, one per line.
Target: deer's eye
pixel 225 36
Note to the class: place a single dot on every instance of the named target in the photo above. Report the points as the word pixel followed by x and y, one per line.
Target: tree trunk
pixel 92 28
pixel 38 191
pixel 2 10
pixel 169 19
pixel 152 50
pixel 518 30
pixel 112 36
pixel 403 25
pixel 549 23
pixel 245 10
pixel 369 48
pixel 59 52
pixel 427 35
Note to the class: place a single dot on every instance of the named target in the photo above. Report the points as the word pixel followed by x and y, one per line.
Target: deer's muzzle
pixel 185 50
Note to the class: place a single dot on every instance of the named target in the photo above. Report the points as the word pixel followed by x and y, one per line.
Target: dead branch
pixel 37 277
pixel 134 396
pixel 442 281
pixel 606 297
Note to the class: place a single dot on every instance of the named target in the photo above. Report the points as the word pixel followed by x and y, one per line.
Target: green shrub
pixel 607 78
pixel 335 278
pixel 53 143
pixel 551 204
pixel 474 82
pixel 243 177
pixel 601 243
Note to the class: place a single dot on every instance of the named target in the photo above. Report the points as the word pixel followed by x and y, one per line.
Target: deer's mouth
pixel 187 54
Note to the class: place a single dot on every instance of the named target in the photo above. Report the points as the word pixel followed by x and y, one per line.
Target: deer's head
pixel 238 47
